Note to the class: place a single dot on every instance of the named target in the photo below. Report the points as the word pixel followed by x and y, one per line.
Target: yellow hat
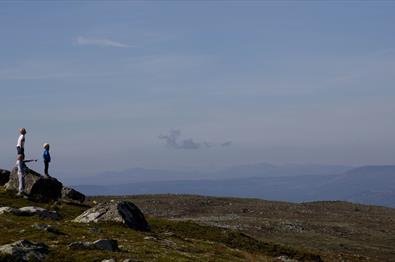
pixel 46 145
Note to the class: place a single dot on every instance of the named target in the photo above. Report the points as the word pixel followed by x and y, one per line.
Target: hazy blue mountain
pixel 242 171
pixel 369 185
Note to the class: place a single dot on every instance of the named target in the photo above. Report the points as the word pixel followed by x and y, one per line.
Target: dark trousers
pixel 20 151
pixel 46 165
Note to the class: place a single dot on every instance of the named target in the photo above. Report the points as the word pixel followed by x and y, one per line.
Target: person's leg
pixel 21 183
pixel 46 164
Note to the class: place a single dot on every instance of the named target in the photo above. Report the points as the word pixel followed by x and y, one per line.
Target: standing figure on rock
pixel 21 165
pixel 20 146
pixel 47 159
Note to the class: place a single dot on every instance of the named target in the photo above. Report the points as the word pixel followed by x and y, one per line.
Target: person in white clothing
pixel 20 146
pixel 21 165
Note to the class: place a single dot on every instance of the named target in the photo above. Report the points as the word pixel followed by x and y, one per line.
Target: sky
pixel 197 84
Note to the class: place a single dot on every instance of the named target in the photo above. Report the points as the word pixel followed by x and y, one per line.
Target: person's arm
pixel 30 160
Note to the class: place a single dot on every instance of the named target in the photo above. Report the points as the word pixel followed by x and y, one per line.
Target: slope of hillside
pixel 338 231
pixel 167 240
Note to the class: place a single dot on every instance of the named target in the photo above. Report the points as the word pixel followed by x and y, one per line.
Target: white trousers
pixel 21 178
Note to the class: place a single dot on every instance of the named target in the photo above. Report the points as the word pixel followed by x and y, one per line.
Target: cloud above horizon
pixel 172 141
pixel 101 42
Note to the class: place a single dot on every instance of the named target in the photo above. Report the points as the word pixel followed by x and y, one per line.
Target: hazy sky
pixel 173 84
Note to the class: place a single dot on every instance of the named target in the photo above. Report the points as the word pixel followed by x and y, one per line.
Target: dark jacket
pixel 47 156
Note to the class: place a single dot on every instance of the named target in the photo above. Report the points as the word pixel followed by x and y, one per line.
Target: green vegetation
pixel 167 241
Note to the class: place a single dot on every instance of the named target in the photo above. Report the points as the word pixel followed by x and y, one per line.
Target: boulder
pixel 30 211
pixel 47 228
pixel 24 250
pixel 36 186
pixel 101 244
pixel 72 195
pixel 118 211
pixel 4 176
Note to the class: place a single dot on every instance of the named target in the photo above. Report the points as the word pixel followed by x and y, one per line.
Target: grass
pixel 167 241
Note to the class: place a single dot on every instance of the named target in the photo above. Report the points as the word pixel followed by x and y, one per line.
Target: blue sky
pixel 284 82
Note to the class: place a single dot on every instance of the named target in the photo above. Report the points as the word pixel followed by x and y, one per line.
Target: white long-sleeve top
pixel 21 141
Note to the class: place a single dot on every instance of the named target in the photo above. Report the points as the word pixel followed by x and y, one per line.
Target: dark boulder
pixel 4 176
pixel 72 195
pixel 38 187
pixel 118 211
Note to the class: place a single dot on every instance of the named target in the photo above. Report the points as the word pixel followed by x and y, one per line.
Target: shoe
pixel 19 194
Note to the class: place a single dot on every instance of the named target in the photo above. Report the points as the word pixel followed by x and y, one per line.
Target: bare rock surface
pixel 30 211
pixel 118 211
pixel 48 228
pixel 24 250
pixel 72 195
pixel 101 244
pixel 37 186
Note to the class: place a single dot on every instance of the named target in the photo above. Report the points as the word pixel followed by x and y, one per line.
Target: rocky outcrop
pixel 72 195
pixel 36 186
pixel 41 188
pixel 24 250
pixel 101 244
pixel 119 211
pixel 30 211
pixel 4 176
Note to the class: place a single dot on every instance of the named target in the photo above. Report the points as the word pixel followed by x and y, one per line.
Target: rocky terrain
pixel 64 226
pixel 337 231
pixel 52 227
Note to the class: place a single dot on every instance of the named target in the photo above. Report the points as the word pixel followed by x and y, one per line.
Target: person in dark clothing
pixel 47 158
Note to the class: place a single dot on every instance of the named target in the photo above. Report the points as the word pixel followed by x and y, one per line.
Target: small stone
pixel 106 244
pixel 101 244
pixel 48 228
pixel 150 238
pixel 108 260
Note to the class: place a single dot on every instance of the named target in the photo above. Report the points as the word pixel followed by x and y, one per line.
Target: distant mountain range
pixel 369 184
pixel 243 171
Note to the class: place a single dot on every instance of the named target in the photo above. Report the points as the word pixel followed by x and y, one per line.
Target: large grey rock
pixel 30 211
pixel 72 195
pixel 24 250
pixel 36 186
pixel 118 211
pixel 4 176
pixel 101 244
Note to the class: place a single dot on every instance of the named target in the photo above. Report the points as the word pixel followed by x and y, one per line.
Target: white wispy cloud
pixel 102 42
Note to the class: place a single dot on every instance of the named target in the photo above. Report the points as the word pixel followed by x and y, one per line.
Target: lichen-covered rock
pixel 24 250
pixel 30 211
pixel 38 187
pixel 118 211
pixel 4 176
pixel 72 195
pixel 47 228
pixel 101 244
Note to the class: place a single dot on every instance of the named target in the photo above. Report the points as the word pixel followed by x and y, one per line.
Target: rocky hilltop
pixel 50 225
